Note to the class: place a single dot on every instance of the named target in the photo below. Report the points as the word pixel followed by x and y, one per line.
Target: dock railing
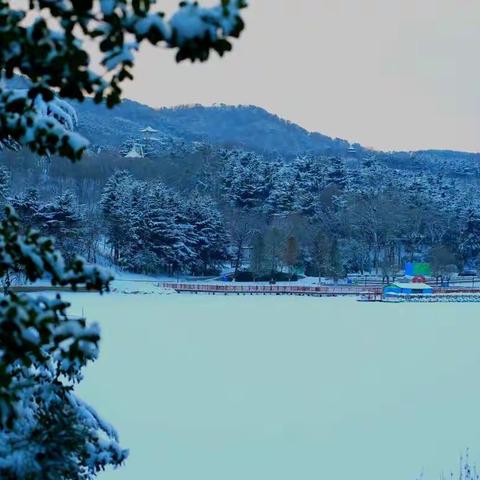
pixel 269 289
pixel 313 290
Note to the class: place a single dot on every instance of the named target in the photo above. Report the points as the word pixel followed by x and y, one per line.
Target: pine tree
pixel 245 180
pixel 114 205
pixel 168 234
pixel 283 194
pixel 135 257
pixel 310 180
pixel 470 236
pixel 209 236
pixel 62 219
pixel 336 174
pixel 27 206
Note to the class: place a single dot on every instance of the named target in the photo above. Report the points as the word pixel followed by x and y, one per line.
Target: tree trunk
pixel 238 259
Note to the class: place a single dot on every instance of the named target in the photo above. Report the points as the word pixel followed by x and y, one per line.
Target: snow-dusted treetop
pixel 52 55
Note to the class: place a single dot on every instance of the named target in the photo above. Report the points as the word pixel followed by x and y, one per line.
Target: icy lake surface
pixel 259 388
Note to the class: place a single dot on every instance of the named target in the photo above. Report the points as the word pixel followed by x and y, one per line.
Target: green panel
pixel 422 269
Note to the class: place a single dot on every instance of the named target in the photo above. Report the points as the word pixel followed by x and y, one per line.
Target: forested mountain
pixel 246 127
pixel 191 189
pixel 250 127
pixel 242 126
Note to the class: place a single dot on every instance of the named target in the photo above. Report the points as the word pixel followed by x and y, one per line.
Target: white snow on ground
pixel 233 388
pixel 130 283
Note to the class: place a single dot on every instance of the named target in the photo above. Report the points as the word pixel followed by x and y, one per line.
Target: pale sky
pixel 390 74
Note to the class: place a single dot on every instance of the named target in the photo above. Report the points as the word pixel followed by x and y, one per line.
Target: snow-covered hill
pixel 248 127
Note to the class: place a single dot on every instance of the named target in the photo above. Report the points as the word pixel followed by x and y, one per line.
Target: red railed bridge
pixel 311 290
pixel 324 291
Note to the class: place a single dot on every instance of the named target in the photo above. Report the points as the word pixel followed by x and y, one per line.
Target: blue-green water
pixel 258 388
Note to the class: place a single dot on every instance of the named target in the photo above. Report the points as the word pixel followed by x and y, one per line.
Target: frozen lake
pixel 260 388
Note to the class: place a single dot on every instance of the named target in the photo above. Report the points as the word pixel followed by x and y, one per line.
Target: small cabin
pixel 135 152
pixel 148 130
pixel 401 288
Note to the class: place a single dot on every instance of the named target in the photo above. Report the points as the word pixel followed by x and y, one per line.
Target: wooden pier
pixel 372 294
pixel 307 290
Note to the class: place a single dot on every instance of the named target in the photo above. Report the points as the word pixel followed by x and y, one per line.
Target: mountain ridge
pixel 240 126
pixel 237 126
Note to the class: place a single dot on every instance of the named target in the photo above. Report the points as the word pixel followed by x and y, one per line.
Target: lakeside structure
pixel 407 288
pixel 392 293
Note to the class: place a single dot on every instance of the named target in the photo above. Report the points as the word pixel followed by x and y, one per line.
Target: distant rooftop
pixel 410 285
pixel 149 130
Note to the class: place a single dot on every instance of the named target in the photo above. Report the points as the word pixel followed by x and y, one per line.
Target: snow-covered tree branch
pixel 118 27
pixel 53 56
pixel 45 430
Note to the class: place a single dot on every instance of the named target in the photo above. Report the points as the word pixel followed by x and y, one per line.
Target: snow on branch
pixel 38 328
pixel 44 126
pixel 59 66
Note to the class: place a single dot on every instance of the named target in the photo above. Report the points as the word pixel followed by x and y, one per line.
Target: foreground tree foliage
pixel 52 55
pixel 46 432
